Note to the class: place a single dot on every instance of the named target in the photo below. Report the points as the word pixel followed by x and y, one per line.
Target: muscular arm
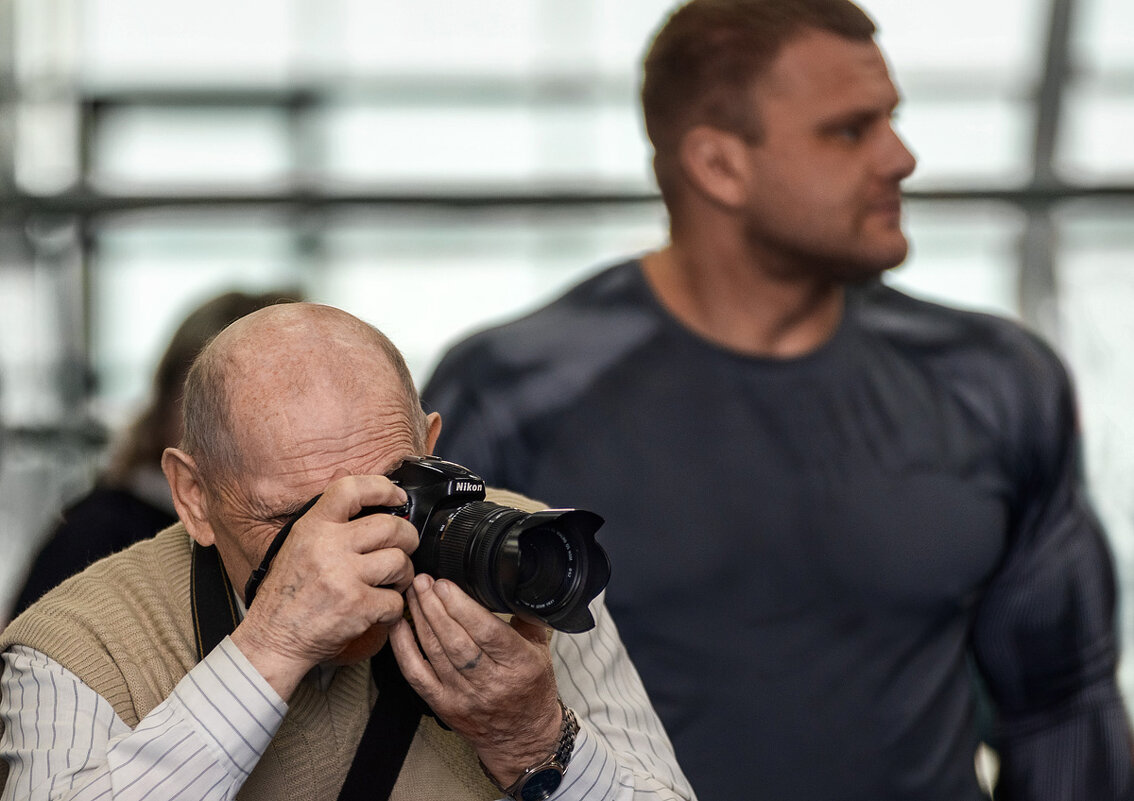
pixel 64 741
pixel 1046 644
pixel 1044 634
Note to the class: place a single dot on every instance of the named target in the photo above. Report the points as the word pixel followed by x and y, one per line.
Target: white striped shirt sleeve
pixel 622 752
pixel 64 741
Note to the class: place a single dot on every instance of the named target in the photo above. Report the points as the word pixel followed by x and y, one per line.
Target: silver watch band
pixel 568 731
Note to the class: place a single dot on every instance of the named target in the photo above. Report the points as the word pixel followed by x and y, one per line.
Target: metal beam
pixel 1038 283
pixel 89 203
pixel 8 96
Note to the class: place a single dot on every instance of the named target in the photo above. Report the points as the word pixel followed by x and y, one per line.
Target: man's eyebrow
pixel 862 115
pixel 282 513
pixel 856 116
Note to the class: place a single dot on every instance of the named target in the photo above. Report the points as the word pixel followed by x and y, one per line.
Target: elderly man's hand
pixel 336 583
pixel 489 681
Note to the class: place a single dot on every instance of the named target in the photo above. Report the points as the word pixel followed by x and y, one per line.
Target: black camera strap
pixel 257 575
pixel 210 597
pixel 388 735
pixel 396 714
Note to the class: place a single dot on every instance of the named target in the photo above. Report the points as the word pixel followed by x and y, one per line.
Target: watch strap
pixel 568 731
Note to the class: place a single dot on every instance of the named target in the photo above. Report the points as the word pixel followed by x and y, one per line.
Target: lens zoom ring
pixel 465 523
pixel 465 552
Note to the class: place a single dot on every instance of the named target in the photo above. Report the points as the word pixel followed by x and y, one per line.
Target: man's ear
pixel 715 164
pixel 188 495
pixel 433 431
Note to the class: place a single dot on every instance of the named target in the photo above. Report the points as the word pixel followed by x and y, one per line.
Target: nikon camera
pixel 544 566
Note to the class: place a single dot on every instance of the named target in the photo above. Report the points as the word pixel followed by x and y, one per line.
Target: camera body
pixel 544 566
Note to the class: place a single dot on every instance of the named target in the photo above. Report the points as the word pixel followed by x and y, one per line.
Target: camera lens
pixel 547 572
pixel 544 565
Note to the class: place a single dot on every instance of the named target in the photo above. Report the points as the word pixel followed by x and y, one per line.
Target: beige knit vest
pixel 124 627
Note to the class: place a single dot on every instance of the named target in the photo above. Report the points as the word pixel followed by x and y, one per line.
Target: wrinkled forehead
pixel 298 433
pixel 312 383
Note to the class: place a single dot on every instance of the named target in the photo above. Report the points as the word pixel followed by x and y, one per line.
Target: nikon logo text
pixel 466 486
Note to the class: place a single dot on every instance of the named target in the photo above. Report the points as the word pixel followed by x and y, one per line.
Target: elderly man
pixel 109 688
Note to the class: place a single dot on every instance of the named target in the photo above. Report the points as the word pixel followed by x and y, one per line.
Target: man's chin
pixel 875 262
pixel 363 647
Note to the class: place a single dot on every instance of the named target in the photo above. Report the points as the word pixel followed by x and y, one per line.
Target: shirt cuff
pixel 592 772
pixel 233 708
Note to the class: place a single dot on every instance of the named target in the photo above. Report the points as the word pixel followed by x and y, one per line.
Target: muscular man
pixel 102 691
pixel 828 504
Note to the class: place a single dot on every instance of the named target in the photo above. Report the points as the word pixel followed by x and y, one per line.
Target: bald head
pixel 267 372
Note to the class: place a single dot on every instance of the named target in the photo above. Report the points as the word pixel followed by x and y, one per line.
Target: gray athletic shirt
pixel 809 555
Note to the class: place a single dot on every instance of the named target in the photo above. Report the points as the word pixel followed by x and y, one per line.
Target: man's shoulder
pixel 110 599
pixel 586 319
pixel 956 339
pixel 123 625
pixel 1001 372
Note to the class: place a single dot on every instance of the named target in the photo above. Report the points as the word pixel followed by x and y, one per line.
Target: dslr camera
pixel 544 565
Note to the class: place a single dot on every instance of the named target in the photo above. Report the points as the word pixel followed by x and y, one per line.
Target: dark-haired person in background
pixel 130 499
pixel 826 501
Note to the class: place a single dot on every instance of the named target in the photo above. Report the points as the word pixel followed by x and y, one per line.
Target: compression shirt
pixel 811 554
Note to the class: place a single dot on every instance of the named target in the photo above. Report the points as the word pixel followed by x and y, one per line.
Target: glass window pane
pixel 143 42
pixel 46 157
pixel 1098 131
pixel 447 273
pixel 151 273
pixel 1104 36
pixel 146 148
pixel 427 280
pixel 963 256
pixel 982 141
pixel 622 32
pixel 975 36
pixel 496 144
pixel 1096 295
pixel 31 343
pixel 437 36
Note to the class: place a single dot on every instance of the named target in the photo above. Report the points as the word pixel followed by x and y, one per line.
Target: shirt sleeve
pixel 1044 634
pixel 62 740
pixel 622 751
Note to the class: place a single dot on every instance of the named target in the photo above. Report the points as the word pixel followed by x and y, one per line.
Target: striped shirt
pixel 63 740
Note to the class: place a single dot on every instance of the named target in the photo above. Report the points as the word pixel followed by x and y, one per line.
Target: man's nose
pixel 898 160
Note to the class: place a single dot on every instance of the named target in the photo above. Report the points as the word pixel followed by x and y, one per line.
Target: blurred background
pixel 438 165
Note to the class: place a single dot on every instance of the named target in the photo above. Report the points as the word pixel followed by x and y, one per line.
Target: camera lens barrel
pixel 542 565
pixel 469 552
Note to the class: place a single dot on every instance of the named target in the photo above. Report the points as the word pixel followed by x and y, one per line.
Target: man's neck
pixel 728 299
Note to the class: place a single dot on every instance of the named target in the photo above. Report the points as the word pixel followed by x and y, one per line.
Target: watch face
pixel 541 785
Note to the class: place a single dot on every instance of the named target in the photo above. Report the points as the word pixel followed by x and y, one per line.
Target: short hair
pixel 208 425
pixel 705 58
pixel 209 434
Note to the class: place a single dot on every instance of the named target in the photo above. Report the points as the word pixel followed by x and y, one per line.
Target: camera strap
pixel 396 714
pixel 257 575
pixel 388 735
pixel 210 597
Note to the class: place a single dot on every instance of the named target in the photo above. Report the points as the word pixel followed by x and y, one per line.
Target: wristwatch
pixel 543 778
